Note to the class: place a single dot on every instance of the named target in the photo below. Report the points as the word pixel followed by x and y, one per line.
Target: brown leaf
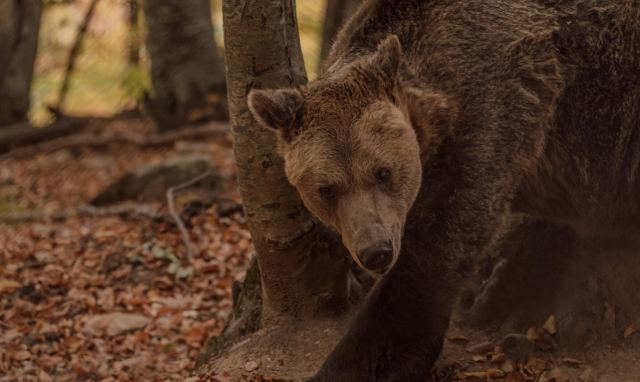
pixel 572 362
pixel 537 364
pixel 550 326
pixel 9 286
pixel 515 376
pixel 555 375
pixel 630 330
pixel 481 348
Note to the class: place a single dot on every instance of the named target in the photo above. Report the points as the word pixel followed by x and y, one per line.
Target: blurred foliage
pixel 104 81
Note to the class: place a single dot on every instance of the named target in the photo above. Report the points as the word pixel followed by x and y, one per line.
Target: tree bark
pixel 303 269
pixel 17 57
pixel 336 14
pixel 186 66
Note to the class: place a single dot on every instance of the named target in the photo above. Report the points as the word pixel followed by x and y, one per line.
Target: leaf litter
pixel 109 298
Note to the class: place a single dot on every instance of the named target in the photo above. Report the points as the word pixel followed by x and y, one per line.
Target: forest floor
pixel 115 298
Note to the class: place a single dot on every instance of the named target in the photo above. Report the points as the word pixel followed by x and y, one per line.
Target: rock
pixel 518 347
pixel 115 323
pixel 251 366
pixel 150 183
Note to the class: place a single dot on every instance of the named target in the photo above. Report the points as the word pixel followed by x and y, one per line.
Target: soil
pixel 293 352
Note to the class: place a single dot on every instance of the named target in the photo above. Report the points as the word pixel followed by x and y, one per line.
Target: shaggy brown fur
pixel 508 106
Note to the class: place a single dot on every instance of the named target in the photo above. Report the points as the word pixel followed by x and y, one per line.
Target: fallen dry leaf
pixel 115 323
pixel 550 326
pixel 630 330
pixel 8 286
pixel 555 375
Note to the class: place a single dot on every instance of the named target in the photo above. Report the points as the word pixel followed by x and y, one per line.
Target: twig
pixel 94 140
pixel 131 211
pixel 73 54
pixel 176 217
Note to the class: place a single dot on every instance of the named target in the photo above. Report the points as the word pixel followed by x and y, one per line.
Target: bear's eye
pixel 327 192
pixel 383 175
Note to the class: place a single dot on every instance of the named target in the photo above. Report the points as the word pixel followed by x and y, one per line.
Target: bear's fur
pixel 434 121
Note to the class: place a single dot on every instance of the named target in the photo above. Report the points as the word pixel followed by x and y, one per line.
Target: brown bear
pixel 433 122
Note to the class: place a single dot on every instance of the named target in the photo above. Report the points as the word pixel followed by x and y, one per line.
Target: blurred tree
pixel 74 53
pixel 336 14
pixel 19 26
pixel 302 265
pixel 134 33
pixel 186 66
pixel 8 33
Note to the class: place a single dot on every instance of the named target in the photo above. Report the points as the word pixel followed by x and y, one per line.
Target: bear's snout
pixel 378 257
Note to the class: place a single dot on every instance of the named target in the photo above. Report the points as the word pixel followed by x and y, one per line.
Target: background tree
pixel 19 26
pixel 185 63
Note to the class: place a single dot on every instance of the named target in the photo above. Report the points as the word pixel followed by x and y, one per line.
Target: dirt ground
pixel 293 352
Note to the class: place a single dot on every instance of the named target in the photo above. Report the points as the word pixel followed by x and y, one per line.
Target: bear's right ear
pixel 433 116
pixel 278 110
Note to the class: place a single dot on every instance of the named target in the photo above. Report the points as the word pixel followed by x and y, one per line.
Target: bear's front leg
pixel 398 334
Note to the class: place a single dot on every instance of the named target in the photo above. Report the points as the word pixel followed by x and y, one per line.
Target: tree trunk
pixel 303 268
pixel 8 33
pixel 17 56
pixel 186 66
pixel 301 272
pixel 336 14
pixel 588 283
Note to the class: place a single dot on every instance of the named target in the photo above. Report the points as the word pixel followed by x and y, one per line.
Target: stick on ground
pixel 176 217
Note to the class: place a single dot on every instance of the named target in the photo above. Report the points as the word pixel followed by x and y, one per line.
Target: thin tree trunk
pixel 336 14
pixel 15 80
pixel 185 63
pixel 134 34
pixel 8 33
pixel 303 268
pixel 74 53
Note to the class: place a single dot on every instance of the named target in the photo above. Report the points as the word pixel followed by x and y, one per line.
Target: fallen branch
pixel 24 134
pixel 95 140
pixel 125 211
pixel 176 217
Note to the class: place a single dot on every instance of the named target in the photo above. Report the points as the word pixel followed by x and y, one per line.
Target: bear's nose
pixel 378 257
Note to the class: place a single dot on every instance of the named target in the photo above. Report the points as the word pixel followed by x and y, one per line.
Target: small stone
pixel 251 366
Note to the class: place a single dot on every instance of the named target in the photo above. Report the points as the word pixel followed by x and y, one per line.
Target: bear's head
pixel 354 142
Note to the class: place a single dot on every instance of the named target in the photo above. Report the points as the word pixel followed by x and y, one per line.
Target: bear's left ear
pixel 433 116
pixel 278 110
pixel 384 63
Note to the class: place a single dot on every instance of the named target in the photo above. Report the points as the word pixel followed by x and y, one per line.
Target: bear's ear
pixel 278 110
pixel 385 62
pixel 433 116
